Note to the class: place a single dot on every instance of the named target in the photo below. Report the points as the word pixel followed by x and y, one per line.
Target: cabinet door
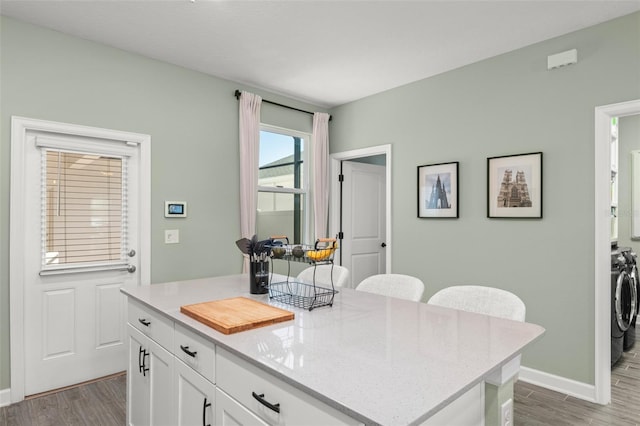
pixel 161 396
pixel 194 396
pixel 230 412
pixel 137 383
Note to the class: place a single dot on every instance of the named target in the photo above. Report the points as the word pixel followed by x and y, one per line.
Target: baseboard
pixel 558 383
pixel 5 397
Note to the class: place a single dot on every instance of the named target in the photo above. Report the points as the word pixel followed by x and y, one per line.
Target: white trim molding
pixel 558 383
pixel 334 203
pixel 19 128
pixel 602 227
pixel 5 397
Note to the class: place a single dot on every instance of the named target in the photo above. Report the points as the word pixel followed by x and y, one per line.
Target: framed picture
pixel 438 190
pixel 514 186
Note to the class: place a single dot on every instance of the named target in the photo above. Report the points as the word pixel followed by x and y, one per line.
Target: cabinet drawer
pixel 152 324
pixel 229 412
pixel 247 384
pixel 195 351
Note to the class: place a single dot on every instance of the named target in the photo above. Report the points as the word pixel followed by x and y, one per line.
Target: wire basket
pixel 300 295
pixel 319 253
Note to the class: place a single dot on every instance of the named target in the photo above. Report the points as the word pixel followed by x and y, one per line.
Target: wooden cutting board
pixel 236 314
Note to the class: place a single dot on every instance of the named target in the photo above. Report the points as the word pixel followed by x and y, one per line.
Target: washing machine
pixel 622 305
pixel 632 269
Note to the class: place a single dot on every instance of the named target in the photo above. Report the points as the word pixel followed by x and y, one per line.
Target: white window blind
pixel 84 210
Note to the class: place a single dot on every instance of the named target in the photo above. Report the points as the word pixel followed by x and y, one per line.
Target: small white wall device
pixel 175 209
pixel 562 59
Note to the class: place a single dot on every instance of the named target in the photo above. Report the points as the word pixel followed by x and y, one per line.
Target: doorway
pixel 602 229
pixel 373 252
pixel 79 231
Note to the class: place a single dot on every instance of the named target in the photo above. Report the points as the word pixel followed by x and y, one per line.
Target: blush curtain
pixel 321 172
pixel 249 105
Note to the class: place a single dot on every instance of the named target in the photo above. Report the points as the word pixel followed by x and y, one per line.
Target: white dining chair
pixel 480 299
pixel 323 275
pixel 393 285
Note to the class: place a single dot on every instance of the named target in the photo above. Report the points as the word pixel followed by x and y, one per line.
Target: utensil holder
pixel 259 277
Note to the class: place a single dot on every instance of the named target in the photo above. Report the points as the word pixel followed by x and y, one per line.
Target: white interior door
pixel 363 220
pixel 80 223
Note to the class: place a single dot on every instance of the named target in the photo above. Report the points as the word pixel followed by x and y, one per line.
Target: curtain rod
pixel 238 93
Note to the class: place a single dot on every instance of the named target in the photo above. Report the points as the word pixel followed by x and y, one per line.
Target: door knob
pixel 383 245
pixel 131 253
pixel 131 269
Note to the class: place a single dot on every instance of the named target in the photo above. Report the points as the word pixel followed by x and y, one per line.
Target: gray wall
pixel 628 140
pixel 193 122
pixel 508 104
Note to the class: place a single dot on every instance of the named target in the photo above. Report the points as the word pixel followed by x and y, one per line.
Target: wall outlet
pixel 506 413
pixel 171 236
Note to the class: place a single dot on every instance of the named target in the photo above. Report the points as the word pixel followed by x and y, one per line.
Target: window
pixel 83 209
pixel 283 178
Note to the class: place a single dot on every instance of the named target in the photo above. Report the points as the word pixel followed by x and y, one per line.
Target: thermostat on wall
pixel 175 209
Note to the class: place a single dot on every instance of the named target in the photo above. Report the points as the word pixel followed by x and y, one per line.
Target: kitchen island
pixel 367 359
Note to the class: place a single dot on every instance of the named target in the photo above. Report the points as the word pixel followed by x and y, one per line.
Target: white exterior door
pixel 79 215
pixel 363 220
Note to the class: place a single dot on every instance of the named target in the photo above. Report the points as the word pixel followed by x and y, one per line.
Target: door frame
pixel 334 216
pixel 19 128
pixel 602 263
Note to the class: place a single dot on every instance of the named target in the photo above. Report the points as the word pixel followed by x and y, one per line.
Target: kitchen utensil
pixel 244 245
pixel 236 314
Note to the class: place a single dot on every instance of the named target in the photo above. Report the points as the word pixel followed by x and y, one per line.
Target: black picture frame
pixel 437 187
pixel 514 186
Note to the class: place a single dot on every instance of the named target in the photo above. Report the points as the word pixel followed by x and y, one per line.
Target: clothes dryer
pixel 632 269
pixel 622 305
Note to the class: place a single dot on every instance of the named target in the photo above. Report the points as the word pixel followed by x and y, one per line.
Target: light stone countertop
pixel 380 360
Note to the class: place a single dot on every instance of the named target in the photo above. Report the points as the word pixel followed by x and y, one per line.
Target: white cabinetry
pixel 270 399
pixel 177 377
pixel 137 382
pixel 171 372
pixel 150 400
pixel 230 412
pixel 194 396
pixel 195 351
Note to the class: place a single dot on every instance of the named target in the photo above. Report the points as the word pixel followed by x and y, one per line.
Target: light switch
pixel 171 236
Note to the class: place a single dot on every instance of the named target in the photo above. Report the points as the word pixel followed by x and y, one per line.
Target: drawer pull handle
pixel 143 367
pixel 186 350
pixel 204 412
pixel 140 359
pixel 261 400
pixel 144 322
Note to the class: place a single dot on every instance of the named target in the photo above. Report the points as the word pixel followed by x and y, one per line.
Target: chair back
pixel 482 300
pixel 324 275
pixel 393 285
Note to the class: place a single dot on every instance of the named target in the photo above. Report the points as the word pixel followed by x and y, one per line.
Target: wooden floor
pixel 536 406
pixel 103 403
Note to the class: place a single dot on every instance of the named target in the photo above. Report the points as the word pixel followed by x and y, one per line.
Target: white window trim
pixel 306 188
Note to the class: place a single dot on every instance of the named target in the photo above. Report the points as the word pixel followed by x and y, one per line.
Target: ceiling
pixel 323 52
